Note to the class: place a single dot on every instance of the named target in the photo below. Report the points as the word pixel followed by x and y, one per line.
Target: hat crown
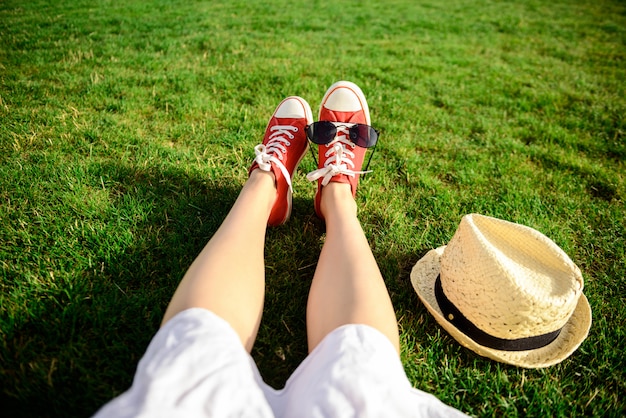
pixel 509 280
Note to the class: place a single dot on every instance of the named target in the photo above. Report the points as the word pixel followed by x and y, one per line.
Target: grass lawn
pixel 126 132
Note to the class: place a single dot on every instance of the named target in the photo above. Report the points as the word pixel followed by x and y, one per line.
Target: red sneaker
pixel 341 160
pixel 284 145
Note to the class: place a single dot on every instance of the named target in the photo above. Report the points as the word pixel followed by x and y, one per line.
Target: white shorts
pixel 196 366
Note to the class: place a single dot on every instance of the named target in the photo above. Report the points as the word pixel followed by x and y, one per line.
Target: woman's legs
pixel 228 276
pixel 347 286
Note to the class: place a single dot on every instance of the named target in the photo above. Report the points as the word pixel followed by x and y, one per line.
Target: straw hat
pixel 505 291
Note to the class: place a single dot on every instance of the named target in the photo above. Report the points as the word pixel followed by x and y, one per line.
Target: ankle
pixel 259 176
pixel 337 199
pixel 264 183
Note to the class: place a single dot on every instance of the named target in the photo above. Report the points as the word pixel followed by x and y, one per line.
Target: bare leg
pixel 347 286
pixel 228 276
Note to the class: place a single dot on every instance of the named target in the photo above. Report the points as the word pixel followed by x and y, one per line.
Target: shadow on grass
pixel 79 346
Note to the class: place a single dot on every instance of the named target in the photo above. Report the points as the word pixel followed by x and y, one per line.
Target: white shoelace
pixel 337 164
pixel 275 149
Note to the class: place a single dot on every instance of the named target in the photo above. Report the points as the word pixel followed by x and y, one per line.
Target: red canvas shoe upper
pixel 340 160
pixel 284 145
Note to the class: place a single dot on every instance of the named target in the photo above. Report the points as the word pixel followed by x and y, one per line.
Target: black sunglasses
pixel 323 132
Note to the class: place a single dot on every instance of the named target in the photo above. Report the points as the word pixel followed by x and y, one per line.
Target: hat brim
pixel 574 332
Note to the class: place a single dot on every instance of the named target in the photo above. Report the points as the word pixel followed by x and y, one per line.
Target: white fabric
pixel 196 367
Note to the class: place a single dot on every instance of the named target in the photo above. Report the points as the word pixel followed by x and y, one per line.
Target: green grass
pixel 126 130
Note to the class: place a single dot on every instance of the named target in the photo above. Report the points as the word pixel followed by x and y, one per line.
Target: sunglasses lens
pixel 321 132
pixel 363 135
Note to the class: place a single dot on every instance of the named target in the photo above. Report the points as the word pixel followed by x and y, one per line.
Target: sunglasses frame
pixel 350 137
